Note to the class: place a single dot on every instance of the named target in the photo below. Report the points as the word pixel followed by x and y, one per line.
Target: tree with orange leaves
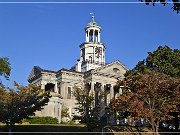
pixel 153 95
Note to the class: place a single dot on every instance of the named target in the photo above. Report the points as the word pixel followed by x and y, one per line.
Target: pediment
pixel 36 71
pixel 114 68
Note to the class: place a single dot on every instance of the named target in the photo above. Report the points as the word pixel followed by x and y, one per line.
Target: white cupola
pixel 93 31
pixel 92 51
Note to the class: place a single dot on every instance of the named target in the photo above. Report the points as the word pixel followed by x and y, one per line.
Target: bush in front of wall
pixel 41 120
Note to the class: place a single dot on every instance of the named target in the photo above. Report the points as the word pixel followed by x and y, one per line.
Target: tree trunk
pixel 157 127
pixel 10 128
pixel 176 122
pixel 153 126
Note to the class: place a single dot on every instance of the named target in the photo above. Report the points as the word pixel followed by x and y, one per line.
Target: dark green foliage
pixel 175 7
pixel 88 112
pixel 163 60
pixel 42 120
pixel 5 69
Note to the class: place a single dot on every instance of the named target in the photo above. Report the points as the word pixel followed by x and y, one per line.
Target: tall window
pixel 69 93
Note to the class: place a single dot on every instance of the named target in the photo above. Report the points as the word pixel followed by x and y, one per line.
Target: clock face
pixel 98 51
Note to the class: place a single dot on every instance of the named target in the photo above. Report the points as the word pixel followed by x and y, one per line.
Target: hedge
pixel 41 120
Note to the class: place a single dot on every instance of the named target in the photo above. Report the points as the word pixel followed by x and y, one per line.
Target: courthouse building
pixel 90 69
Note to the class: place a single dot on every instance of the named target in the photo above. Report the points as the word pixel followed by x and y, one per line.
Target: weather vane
pixel 92 16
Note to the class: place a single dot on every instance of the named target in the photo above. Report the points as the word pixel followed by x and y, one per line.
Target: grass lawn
pixel 56 129
pixel 46 128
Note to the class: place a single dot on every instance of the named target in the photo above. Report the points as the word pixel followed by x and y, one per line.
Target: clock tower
pixel 92 51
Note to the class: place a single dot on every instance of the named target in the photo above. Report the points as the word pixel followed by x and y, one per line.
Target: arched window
pixel 49 87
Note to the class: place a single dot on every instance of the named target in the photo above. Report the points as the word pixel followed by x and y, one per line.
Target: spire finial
pixel 92 16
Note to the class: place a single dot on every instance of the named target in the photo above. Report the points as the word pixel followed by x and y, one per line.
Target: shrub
pixel 42 120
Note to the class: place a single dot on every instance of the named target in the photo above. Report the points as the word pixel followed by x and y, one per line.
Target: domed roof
pixel 92 24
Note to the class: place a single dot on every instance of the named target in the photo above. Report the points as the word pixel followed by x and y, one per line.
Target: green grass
pixel 57 129
pixel 46 128
pixel 54 129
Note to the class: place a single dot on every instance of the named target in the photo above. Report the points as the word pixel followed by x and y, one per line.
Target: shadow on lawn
pixel 46 129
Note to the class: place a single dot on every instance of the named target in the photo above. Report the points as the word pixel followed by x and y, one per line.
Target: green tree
pixel 163 60
pixel 5 68
pixel 21 103
pixel 88 111
pixel 175 7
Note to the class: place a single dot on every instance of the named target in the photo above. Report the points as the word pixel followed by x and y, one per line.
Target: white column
pixel 98 36
pixel 93 35
pixel 103 55
pixel 92 87
pixel 63 91
pixel 103 90
pixel 43 86
pixel 86 36
pixel 60 88
pixel 120 91
pixel 112 92
pixel 108 99
pixel 94 54
pixel 56 88
pixel 60 107
pixel 102 87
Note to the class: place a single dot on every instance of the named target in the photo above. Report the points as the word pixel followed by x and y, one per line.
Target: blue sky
pixel 49 35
